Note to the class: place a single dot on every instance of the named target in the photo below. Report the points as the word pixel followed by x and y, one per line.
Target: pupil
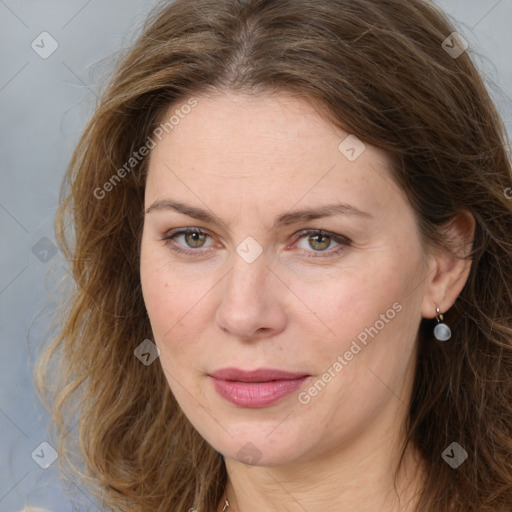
pixel 318 240
pixel 196 237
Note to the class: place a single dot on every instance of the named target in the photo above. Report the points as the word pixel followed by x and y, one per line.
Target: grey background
pixel 44 105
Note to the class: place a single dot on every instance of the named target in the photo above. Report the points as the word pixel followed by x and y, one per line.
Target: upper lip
pixel 259 375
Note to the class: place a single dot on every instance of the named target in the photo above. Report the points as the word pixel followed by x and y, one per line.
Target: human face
pixel 339 311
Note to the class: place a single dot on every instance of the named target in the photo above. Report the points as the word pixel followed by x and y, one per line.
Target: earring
pixel 441 331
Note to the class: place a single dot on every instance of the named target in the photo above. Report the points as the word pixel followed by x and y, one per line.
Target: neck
pixel 351 480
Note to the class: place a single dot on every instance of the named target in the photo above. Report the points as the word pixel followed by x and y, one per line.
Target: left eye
pixel 317 240
pixel 320 241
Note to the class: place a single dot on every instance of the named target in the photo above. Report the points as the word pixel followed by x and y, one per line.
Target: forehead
pixel 246 124
pixel 266 149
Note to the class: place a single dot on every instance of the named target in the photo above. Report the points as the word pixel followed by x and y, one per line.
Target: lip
pixel 256 388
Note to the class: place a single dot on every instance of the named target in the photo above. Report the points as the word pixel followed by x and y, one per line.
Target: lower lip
pixel 256 394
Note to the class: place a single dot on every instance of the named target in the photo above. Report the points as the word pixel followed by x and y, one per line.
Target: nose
pixel 252 304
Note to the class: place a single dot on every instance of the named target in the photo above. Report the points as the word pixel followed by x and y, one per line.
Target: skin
pixel 296 307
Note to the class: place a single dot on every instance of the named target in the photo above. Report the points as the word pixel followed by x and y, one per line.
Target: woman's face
pixel 303 257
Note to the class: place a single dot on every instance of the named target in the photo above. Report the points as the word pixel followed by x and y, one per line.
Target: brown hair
pixel 379 70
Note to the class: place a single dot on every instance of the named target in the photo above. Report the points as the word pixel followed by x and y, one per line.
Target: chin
pixel 253 446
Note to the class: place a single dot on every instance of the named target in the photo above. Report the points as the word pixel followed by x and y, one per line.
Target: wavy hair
pixel 377 69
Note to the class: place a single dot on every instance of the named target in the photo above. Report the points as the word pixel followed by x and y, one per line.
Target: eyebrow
pixel 284 219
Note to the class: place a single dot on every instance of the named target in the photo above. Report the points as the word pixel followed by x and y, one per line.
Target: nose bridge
pixel 249 301
pixel 247 280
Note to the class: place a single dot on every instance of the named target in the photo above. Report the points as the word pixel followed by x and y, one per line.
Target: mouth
pixel 256 388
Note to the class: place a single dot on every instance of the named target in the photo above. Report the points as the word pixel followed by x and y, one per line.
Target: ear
pixel 449 267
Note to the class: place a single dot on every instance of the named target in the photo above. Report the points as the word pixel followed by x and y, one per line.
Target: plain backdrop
pixel 45 101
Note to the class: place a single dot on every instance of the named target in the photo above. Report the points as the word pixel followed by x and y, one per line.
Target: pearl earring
pixel 441 331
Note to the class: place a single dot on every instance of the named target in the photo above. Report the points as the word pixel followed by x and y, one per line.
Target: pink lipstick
pixel 255 388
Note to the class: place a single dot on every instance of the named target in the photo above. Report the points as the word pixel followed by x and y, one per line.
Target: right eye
pixel 193 238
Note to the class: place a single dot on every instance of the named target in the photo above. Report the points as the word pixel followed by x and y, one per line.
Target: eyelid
pixel 335 236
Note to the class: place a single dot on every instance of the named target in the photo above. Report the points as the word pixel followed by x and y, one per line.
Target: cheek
pixel 175 305
pixel 373 316
pixel 167 307
pixel 343 305
pixel 167 304
pixel 160 297
pixel 153 284
pixel 368 316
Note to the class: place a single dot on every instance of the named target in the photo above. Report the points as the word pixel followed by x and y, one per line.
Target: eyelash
pixel 343 241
